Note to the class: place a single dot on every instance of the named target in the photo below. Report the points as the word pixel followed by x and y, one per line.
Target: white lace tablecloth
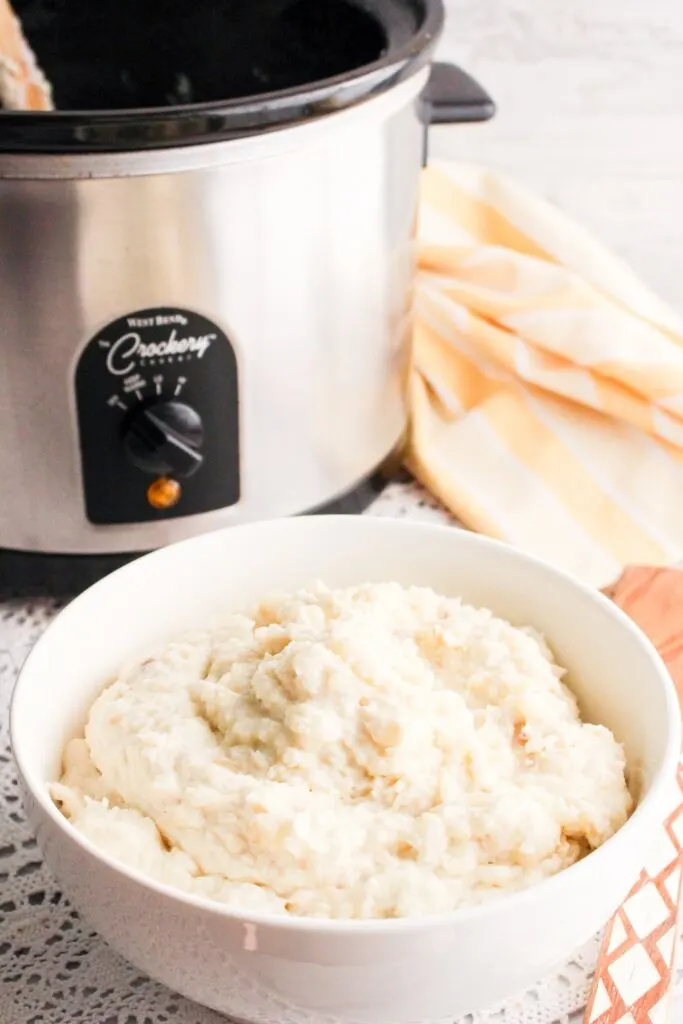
pixel 54 970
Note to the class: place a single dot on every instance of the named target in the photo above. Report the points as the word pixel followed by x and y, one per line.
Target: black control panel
pixel 158 418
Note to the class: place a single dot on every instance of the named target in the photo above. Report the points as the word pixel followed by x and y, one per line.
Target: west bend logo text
pixel 126 352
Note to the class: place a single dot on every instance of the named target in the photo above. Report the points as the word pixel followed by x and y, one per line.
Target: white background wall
pixel 590 112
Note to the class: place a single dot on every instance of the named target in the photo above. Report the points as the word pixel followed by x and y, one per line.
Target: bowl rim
pixel 597 861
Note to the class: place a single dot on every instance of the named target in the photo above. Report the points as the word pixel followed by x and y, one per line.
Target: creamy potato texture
pixel 372 752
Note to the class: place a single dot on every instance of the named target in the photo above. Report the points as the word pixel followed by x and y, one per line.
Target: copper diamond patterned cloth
pixel 632 984
pixel 633 979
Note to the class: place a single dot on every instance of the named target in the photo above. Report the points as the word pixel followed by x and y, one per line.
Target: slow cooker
pixel 206 261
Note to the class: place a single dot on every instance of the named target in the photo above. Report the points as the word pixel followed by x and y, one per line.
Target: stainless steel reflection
pixel 301 248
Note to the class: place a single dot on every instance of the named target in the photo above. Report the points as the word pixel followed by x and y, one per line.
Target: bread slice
pixel 23 85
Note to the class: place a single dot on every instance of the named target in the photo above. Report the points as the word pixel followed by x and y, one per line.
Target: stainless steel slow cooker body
pixel 216 294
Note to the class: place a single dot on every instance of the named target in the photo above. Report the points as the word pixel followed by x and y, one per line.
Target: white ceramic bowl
pixel 264 969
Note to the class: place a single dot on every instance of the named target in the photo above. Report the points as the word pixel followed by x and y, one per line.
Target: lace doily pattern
pixel 53 970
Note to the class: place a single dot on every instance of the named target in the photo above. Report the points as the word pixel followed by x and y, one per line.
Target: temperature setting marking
pixel 135 385
pixel 141 389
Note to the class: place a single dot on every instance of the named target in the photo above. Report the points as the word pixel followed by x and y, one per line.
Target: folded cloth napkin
pixel 547 385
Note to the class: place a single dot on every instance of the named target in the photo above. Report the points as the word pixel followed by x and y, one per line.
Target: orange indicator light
pixel 164 493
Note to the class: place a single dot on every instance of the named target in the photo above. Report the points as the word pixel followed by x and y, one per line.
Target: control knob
pixel 165 438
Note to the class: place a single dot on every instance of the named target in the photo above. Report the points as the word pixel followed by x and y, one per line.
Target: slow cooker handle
pixel 453 97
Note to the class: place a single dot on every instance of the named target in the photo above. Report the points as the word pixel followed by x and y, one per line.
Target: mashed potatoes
pixel 362 753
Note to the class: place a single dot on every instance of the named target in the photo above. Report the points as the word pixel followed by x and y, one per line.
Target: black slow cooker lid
pixel 134 74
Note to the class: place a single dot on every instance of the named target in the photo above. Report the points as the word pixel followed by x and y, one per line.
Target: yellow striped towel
pixel 547 388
